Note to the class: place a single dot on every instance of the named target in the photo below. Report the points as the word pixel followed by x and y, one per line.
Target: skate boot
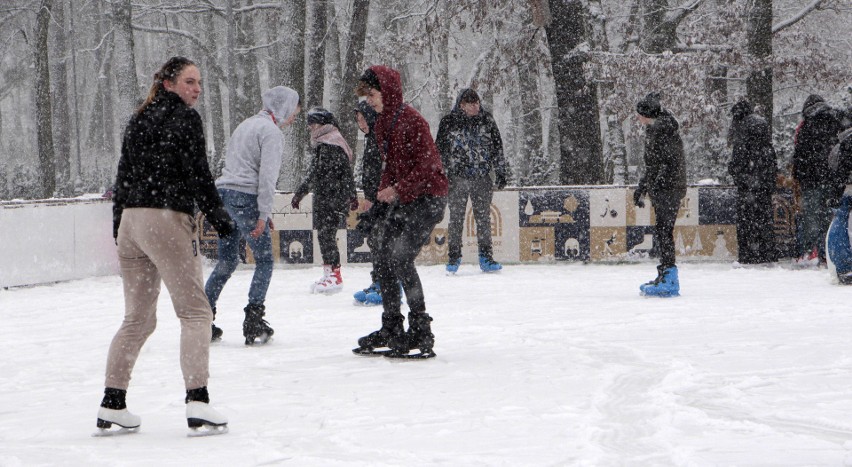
pixel 487 264
pixel 113 409
pixel 255 329
pixel 453 265
pixel 656 280
pixel 418 337
pixel 668 286
pixel 361 296
pixel 217 332
pixel 375 298
pixel 391 328
pixel 202 419
pixel 330 283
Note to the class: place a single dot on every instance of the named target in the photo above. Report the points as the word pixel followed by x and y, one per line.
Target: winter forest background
pixel 561 76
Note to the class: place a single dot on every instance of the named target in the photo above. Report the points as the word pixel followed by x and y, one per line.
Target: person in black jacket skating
pixel 371 174
pixel 330 177
pixel 664 182
pixel 471 147
pixel 162 175
pixel 754 169
pixel 814 138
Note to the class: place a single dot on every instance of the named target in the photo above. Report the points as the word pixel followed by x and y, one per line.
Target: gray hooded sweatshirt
pixel 255 150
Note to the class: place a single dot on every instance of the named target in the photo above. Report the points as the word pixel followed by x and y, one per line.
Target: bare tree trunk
pixel 44 125
pixel 296 136
pixel 315 47
pixel 216 115
pixel 532 137
pixel 230 46
pixel 334 67
pixel 352 68
pixel 579 127
pixel 125 59
pixel 440 60
pixel 247 93
pixel 759 82
pixel 61 110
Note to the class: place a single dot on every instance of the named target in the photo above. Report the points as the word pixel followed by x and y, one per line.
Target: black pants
pixel 755 235
pixel 666 205
pixel 480 191
pixel 327 237
pixel 399 238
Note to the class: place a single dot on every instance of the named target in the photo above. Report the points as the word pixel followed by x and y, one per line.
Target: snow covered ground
pixel 537 365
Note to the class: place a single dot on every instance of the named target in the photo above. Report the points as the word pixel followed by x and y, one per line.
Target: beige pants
pixel 155 244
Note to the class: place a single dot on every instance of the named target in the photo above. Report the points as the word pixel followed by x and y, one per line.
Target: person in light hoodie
pixel 247 187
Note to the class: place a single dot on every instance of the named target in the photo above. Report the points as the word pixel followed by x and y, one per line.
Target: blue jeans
pixel 243 210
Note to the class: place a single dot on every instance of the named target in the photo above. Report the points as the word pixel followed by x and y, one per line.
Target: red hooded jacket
pixel 412 163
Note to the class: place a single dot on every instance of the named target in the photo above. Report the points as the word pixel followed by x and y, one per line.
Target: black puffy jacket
pixel 817 134
pixel 665 165
pixel 329 176
pixel 163 164
pixel 753 165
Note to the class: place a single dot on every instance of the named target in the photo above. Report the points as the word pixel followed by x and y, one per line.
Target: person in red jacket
pixel 414 187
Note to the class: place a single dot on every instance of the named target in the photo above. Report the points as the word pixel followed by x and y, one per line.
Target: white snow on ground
pixel 537 365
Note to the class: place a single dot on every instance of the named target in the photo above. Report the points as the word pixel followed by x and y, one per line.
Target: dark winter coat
pixel 163 164
pixel 371 172
pixel 753 165
pixel 470 146
pixel 665 165
pixel 412 164
pixel 814 139
pixel 842 166
pixel 329 176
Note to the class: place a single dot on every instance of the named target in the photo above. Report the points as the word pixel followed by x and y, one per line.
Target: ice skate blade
pixel 409 356
pixel 365 304
pixel 205 429
pixel 262 339
pixel 106 432
pixel 662 295
pixel 365 352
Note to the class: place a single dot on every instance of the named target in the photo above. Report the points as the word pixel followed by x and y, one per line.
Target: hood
pixel 391 85
pixel 742 109
pixel 457 105
pixel 281 101
pixel 369 114
pixel 816 110
pixel 665 120
pixel 811 100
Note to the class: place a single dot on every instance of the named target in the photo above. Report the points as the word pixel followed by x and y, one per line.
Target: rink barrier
pixel 55 240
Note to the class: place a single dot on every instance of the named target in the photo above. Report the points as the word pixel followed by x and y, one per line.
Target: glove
pixel 500 181
pixel 224 229
pixel 353 204
pixel 295 202
pixel 637 198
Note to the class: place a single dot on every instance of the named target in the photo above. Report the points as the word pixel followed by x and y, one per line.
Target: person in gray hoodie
pixel 247 186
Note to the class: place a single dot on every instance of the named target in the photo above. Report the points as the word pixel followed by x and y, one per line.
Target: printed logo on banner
pixel 608 243
pixel 607 207
pixel 572 242
pixel 297 246
pixel 435 250
pixel 357 250
pixel 537 244
pixel 640 242
pixel 552 208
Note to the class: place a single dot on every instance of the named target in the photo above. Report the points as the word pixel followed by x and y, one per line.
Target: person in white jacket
pixel 247 187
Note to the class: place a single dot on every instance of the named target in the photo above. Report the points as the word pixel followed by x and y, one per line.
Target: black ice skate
pixel 376 342
pixel 418 337
pixel 255 329
pixel 216 332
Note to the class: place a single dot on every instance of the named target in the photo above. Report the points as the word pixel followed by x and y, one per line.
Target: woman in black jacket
pixel 330 178
pixel 162 175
